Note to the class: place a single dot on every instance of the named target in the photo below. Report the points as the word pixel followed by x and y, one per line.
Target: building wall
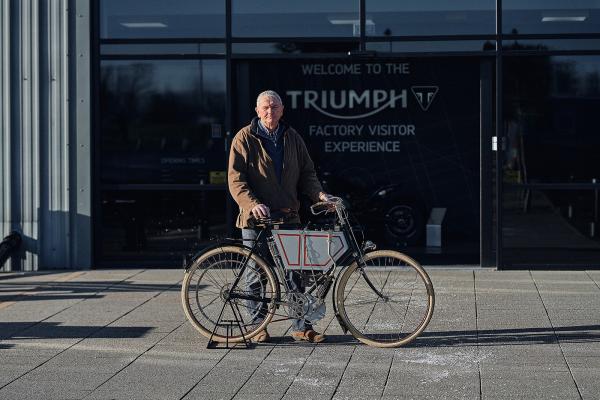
pixel 45 113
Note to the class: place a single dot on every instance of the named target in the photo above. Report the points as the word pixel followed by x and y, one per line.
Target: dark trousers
pixel 254 284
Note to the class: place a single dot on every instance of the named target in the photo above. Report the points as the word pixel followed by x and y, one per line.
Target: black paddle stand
pixel 229 325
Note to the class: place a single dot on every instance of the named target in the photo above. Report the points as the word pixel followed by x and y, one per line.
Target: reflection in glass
pixel 160 48
pixel 552 227
pixel 292 47
pixel 520 45
pixel 159 225
pixel 288 18
pixel 161 19
pixel 550 16
pixel 162 121
pixel 432 46
pixel 550 122
pixel 439 17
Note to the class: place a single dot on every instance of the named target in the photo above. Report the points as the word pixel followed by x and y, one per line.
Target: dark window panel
pixel 550 228
pixel 401 18
pixel 555 16
pixel 161 226
pixel 551 107
pixel 161 19
pixel 538 45
pixel 433 46
pixel 159 49
pixel 288 18
pixel 162 121
pixel 294 47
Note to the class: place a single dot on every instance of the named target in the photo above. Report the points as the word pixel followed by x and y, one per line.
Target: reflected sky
pixel 293 6
pixel 431 5
pixel 161 7
pixel 176 75
pixel 340 18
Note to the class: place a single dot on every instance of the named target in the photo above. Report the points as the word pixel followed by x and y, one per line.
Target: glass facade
pixel 397 103
pixel 162 120
pixel 158 225
pixel 550 165
pixel 440 17
pixel 550 16
pixel 289 18
pixel 135 19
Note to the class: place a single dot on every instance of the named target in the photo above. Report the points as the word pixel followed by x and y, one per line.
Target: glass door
pixel 399 139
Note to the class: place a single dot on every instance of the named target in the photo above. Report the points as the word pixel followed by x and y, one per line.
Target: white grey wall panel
pixel 81 151
pixel 5 137
pixel 28 157
pixel 54 251
pixel 45 155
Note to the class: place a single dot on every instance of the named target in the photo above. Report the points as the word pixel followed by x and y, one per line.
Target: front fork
pixel 361 264
pixel 340 321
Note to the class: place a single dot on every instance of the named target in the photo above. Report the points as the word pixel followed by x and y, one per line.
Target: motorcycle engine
pixel 305 306
pixel 314 308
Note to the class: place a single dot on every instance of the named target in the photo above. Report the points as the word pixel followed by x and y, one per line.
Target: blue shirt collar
pixel 264 132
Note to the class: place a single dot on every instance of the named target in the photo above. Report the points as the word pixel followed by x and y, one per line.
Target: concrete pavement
pixel 122 334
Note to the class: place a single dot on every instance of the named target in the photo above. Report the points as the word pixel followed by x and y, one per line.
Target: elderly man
pixel 268 163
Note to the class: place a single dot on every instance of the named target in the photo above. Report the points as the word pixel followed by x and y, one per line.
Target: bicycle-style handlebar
pixel 277 217
pixel 329 206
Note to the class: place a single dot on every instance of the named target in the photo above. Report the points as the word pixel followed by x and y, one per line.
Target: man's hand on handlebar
pixel 261 211
pixel 327 204
pixel 326 197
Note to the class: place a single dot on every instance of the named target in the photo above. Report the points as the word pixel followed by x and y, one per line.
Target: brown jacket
pixel 251 174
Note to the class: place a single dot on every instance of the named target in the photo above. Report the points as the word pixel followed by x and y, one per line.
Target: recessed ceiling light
pixel 350 22
pixel 580 18
pixel 565 16
pixel 144 24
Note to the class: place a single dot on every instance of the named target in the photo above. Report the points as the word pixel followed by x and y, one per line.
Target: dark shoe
pixel 262 337
pixel 308 336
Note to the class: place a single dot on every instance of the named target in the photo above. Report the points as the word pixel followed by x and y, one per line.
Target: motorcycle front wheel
pixel 387 302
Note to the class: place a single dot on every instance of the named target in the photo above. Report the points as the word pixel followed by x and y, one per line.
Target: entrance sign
pixel 395 137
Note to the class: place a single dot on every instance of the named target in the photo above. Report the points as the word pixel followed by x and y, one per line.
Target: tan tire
pixel 209 281
pixel 402 311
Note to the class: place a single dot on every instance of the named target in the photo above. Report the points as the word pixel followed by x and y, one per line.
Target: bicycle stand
pixel 229 325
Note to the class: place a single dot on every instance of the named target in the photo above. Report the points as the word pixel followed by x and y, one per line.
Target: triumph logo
pixel 424 95
pixel 327 102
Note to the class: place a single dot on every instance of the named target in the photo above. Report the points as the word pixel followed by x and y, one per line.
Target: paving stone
pixel 258 396
pixel 356 396
pixel 11 372
pixel 530 356
pixel 122 334
pixel 431 382
pixel 527 384
pixel 587 380
pixel 581 348
pixel 40 392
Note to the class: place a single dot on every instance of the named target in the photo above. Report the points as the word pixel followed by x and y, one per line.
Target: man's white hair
pixel 269 93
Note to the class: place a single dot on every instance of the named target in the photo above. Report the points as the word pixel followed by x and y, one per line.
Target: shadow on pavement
pixel 35 291
pixel 496 337
pixel 346 340
pixel 52 330
pixel 48 296
pixel 516 336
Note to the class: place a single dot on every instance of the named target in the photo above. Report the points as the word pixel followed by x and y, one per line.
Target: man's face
pixel 269 110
